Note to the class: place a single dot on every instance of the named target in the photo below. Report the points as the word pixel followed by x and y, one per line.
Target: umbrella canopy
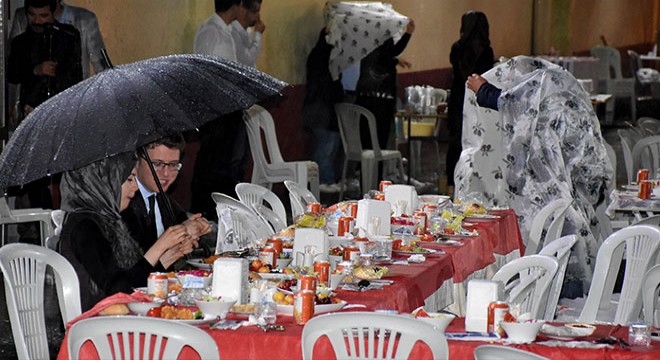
pixel 357 29
pixel 125 107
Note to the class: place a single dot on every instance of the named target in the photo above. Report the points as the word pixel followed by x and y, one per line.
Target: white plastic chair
pixel 349 116
pixel 269 216
pixel 651 220
pixel 555 210
pixel 650 293
pixel 266 172
pixel 646 154
pixel 629 137
pixel 560 249
pixel 19 216
pixel 353 336
pixel 246 229
pixel 58 219
pixel 118 337
pixel 611 81
pixel 527 281
pixel 299 198
pixel 252 194
pixel 24 270
pixel 641 243
pixel 500 352
pixel 649 124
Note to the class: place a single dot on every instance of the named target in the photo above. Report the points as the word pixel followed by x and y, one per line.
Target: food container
pixel 157 285
pixel 303 306
pixel 322 270
pixel 642 174
pixel 497 310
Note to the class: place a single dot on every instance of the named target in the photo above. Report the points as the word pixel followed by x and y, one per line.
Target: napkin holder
pixel 368 209
pixel 231 280
pixel 480 293
pixel 406 193
pixel 305 238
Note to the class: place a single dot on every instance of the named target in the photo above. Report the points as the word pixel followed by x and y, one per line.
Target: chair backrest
pixel 635 65
pixel 555 210
pixel 646 154
pixel 246 229
pixel 611 155
pixel 24 270
pixel 349 116
pixel 5 212
pixel 126 337
pixel 560 249
pixel 500 352
pixel 649 124
pixel 629 137
pixel 651 220
pixel 269 216
pixel 368 335
pixel 526 282
pixel 640 243
pixel 440 95
pixel 299 197
pixel 609 66
pixel 258 120
pixel 253 194
pixel 650 293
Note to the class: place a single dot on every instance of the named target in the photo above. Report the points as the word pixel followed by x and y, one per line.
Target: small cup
pixel 639 334
pixel 266 313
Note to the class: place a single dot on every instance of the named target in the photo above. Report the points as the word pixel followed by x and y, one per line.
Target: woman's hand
pixel 474 82
pixel 173 243
pixel 410 28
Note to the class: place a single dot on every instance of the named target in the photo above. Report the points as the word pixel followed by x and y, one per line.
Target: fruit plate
pixel 287 310
pixel 200 264
pixel 276 276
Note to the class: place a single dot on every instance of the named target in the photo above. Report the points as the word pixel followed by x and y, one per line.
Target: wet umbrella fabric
pixel 123 108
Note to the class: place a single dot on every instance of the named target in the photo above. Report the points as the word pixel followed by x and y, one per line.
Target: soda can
pixel 157 285
pixel 277 244
pixel 345 225
pixel 322 270
pixel 303 306
pixel 642 174
pixel 351 253
pixel 496 312
pixel 268 255
pixel 307 282
pixel 420 218
pixel 645 189
pixel 353 207
pixel 314 207
pixel 383 185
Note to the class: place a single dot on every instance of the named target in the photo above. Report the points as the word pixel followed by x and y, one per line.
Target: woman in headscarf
pixel 470 54
pixel 95 239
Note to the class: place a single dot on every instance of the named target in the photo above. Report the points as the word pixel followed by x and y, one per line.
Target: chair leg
pixel 343 180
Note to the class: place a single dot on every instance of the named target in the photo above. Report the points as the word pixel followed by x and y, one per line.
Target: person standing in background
pixel 246 31
pixel 318 115
pixel 376 87
pixel 471 54
pixel 219 164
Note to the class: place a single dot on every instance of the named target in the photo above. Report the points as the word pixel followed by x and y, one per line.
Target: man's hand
pixel 260 26
pixel 196 226
pixel 404 63
pixel 46 68
pixel 475 81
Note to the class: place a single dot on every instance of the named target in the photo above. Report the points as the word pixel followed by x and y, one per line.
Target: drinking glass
pixel 266 313
pixel 639 334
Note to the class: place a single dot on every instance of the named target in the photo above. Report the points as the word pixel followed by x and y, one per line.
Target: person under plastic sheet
pixel 543 143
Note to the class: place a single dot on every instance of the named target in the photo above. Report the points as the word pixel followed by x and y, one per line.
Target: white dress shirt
pixel 247 42
pixel 214 37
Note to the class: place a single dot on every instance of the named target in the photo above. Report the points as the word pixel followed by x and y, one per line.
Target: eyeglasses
pixel 173 166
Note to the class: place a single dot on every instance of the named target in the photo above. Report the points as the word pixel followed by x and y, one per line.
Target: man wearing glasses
pixel 147 216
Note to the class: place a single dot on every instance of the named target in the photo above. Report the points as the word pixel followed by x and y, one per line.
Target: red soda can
pixel 322 270
pixel 383 185
pixel 277 244
pixel 268 255
pixel 353 207
pixel 645 189
pixel 314 207
pixel 157 285
pixel 420 218
pixel 307 282
pixel 496 312
pixel 345 225
pixel 351 253
pixel 642 174
pixel 303 306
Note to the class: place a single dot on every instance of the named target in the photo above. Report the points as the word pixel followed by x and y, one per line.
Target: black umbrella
pixel 125 107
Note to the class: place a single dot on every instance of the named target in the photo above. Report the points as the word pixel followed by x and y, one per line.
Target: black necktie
pixel 152 213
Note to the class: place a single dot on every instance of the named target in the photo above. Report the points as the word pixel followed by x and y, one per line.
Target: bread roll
pixel 115 309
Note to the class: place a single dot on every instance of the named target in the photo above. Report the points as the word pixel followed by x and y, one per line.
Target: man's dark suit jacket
pixel 139 223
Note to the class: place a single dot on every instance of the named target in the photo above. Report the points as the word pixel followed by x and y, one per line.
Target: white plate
pixel 563 332
pixel 477 217
pixel 199 263
pixel 459 235
pixel 276 276
pixel 425 252
pixel 318 309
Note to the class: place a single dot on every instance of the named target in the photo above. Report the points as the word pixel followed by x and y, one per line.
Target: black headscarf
pixel 474 37
pixel 96 188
